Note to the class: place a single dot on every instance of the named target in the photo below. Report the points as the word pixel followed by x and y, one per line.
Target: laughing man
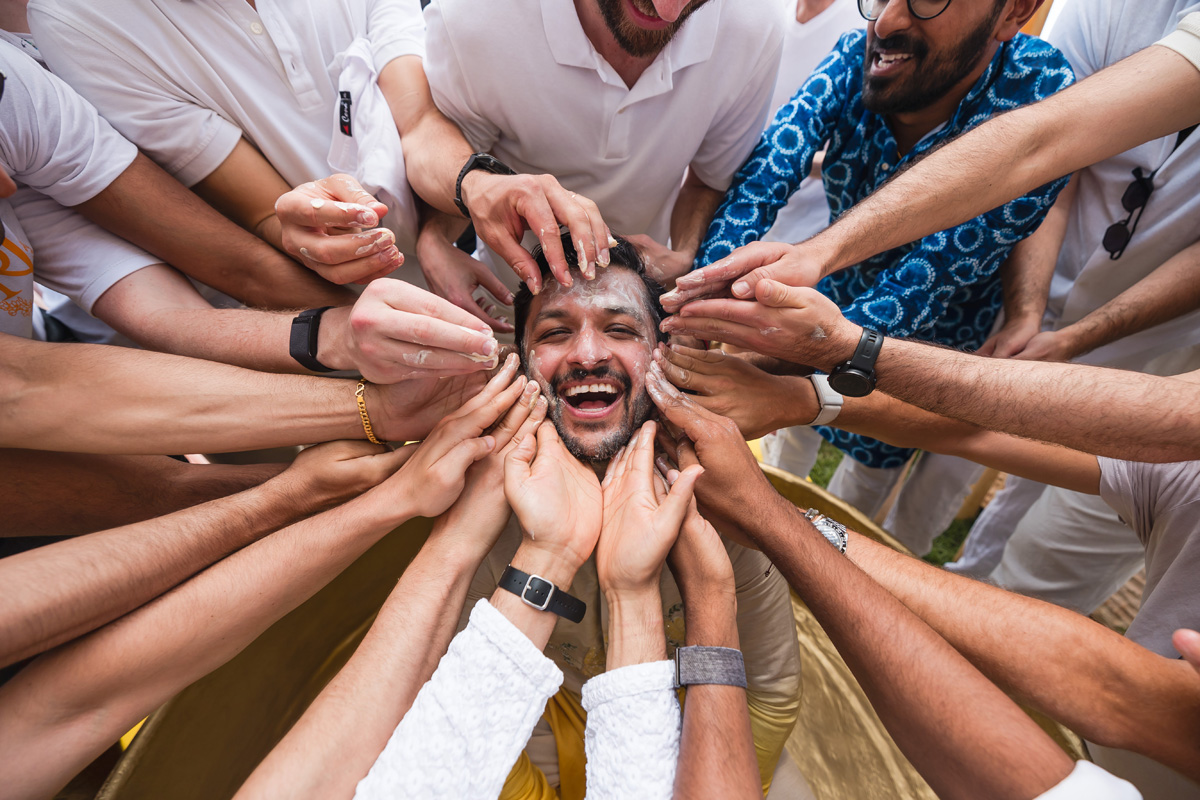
pixel 588 346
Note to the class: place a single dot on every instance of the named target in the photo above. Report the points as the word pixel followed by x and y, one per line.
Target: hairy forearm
pixel 1026 275
pixel 75 701
pixel 138 402
pixel 1150 94
pixel 1166 293
pixel 1101 685
pixel 693 211
pixel 340 735
pixel 434 148
pixel 716 748
pixel 68 494
pixel 63 590
pixel 905 668
pixel 154 211
pixel 1091 409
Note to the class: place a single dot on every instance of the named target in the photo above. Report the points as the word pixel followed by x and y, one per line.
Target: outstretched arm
pixel 96 399
pixel 76 700
pixel 63 590
pixel 334 744
pixel 1092 409
pixel 1103 686
pixel 904 666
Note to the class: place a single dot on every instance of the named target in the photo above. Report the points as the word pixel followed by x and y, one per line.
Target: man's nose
pixel 590 350
pixel 670 9
pixel 895 17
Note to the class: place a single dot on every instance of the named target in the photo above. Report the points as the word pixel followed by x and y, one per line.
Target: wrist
pixel 843 342
pixel 635 630
pixel 553 565
pixel 333 339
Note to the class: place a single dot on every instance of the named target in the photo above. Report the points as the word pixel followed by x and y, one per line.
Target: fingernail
pixel 612 242
pixel 591 271
pixel 508 298
pixel 368 218
pixel 388 255
pixel 532 287
pixel 604 258
pixel 741 287
pixel 570 281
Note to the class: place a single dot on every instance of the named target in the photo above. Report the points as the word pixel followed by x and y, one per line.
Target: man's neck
pixel 909 128
pixel 808 10
pixel 630 68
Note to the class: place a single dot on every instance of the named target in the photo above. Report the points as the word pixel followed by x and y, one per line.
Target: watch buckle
pixel 525 592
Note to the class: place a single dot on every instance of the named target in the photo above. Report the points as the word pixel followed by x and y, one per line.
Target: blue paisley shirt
pixel 942 288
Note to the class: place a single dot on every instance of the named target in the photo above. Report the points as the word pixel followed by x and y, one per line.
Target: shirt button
pixel 256 28
pixel 885 166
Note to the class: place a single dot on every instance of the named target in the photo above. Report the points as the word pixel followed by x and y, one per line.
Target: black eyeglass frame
pixel 863 12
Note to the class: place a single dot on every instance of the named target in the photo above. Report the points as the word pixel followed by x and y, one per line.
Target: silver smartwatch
pixel 829 400
pixel 833 531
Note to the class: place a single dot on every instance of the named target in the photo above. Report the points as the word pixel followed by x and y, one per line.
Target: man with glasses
pixel 923 72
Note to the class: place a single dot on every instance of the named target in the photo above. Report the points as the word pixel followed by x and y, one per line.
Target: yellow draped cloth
pixel 567 721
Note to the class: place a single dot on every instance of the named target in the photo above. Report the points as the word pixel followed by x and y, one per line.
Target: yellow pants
pixel 567 719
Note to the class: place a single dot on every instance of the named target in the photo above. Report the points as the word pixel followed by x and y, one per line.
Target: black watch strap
pixel 483 161
pixel 543 595
pixel 856 377
pixel 303 342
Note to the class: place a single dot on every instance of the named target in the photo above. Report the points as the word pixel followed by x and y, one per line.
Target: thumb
pixel 779 295
pixel 679 498
pixel 517 464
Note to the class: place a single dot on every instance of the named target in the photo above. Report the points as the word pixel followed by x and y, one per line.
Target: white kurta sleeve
pixel 469 723
pixel 632 736
pixel 1089 782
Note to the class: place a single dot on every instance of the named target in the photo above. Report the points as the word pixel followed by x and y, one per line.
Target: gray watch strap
pixel 721 665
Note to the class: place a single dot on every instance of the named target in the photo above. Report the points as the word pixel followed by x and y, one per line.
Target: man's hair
pixel 622 255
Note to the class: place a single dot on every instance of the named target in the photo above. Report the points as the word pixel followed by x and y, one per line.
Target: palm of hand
pixel 633 543
pixel 559 504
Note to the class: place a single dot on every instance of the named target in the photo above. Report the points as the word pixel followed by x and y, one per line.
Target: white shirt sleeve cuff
pixel 514 644
pixel 628 681
pixel 1185 40
pixel 1089 782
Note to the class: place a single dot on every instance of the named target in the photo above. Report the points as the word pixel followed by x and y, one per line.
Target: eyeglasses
pixel 921 9
pixel 1117 237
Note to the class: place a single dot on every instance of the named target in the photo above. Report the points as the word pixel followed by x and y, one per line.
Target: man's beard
pixel 637 410
pixel 636 41
pixel 927 84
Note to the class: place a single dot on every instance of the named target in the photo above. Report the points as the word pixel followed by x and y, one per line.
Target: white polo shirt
pixel 523 81
pixel 60 153
pixel 1093 34
pixel 185 79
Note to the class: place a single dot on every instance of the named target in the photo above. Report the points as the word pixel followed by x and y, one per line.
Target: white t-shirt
pixel 523 81
pixel 186 80
pixel 60 153
pixel 1089 782
pixel 1093 34
pixel 804 46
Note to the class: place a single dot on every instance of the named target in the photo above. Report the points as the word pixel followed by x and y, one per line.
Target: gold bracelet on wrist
pixel 362 411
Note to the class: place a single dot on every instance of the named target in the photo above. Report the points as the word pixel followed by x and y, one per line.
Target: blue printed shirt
pixel 942 288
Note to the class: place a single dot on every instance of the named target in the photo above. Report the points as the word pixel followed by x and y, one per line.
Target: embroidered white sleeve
pixel 469 723
pixel 632 736
pixel 1089 782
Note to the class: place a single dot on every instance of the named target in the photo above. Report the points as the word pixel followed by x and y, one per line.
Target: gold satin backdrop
pixel 205 742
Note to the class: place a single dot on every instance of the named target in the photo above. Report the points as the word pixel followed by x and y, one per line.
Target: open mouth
pixel 591 398
pixel 887 63
pixel 644 14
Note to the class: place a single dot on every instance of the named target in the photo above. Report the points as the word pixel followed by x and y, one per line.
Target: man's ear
pixel 1014 17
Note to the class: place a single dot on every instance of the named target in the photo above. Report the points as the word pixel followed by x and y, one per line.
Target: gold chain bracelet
pixel 362 411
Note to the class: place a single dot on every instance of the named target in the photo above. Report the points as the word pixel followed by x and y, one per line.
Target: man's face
pixel 912 63
pixel 589 347
pixel 643 27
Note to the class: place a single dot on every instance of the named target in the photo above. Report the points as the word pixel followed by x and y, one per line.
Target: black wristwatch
pixel 856 377
pixel 484 161
pixel 303 342
pixel 543 595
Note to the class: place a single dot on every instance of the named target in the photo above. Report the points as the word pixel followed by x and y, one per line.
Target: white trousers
pixel 932 494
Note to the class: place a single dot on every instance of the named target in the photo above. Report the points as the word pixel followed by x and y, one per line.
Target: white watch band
pixel 831 401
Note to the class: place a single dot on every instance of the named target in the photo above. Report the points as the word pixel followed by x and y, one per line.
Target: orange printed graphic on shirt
pixel 13 303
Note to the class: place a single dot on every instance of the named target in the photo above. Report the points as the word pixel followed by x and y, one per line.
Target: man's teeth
pixel 594 387
pixel 891 59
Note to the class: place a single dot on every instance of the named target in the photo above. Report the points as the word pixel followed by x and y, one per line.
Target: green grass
pixel 945 547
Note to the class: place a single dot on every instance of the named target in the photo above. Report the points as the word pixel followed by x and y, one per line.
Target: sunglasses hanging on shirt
pixel 1134 200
